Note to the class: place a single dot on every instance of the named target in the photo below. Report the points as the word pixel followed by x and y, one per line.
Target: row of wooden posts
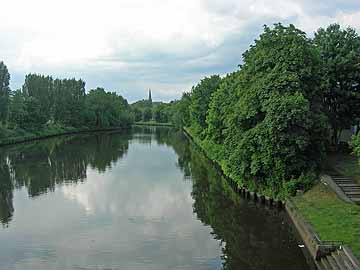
pixel 254 196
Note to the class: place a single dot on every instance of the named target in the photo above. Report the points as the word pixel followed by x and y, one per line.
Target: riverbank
pixel 242 190
pixel 332 218
pixel 26 136
pixel 215 154
pixel 329 217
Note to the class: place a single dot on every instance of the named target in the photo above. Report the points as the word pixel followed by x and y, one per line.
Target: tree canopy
pixel 44 102
pixel 340 53
pixel 266 123
pixel 4 92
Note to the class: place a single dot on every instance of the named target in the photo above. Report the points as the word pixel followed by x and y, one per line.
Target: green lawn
pixel 331 218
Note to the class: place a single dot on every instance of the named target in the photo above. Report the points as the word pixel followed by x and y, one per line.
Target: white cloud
pixel 135 44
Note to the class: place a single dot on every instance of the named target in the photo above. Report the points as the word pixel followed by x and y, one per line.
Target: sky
pixel 129 46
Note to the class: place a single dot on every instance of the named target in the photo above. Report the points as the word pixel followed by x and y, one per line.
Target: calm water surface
pixel 144 199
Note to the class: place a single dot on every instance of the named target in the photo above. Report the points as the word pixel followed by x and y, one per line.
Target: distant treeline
pixel 45 103
pixel 147 110
pixel 270 123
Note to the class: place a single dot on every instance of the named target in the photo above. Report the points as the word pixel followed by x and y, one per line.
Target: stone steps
pixel 337 260
pixel 348 186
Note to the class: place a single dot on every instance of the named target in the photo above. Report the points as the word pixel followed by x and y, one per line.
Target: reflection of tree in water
pixel 6 194
pixel 41 165
pixel 176 139
pixel 143 134
pixel 252 236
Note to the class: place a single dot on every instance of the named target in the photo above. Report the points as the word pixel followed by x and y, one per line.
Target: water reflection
pixel 40 166
pixel 144 199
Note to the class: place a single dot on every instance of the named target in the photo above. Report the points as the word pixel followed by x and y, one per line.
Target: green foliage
pixel 200 100
pixel 162 113
pixel 69 102
pixel 137 114
pixel 45 106
pixel 264 123
pixel 355 143
pixel 4 92
pixel 18 110
pixel 222 105
pixel 34 119
pixel 40 87
pixel 340 53
pixel 275 129
pixel 181 111
pixel 106 109
pixel 147 115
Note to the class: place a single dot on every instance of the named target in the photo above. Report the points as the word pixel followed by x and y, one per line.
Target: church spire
pixel 150 99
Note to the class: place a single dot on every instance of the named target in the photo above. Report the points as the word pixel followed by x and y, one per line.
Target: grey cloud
pixel 169 68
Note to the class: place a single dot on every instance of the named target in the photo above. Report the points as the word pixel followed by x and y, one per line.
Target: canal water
pixel 140 199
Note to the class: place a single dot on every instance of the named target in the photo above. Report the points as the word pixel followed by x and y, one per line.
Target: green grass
pixel 331 218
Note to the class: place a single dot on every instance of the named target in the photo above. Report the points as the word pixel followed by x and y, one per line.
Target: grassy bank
pixel 153 123
pixel 17 136
pixel 332 218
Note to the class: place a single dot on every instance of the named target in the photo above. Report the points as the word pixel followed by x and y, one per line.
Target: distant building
pixel 150 99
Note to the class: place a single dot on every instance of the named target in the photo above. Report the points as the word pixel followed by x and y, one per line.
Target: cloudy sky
pixel 129 46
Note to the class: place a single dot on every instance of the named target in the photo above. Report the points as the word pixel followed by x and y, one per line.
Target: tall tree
pixel 69 101
pixel 147 114
pixel 17 111
pixel 106 109
pixel 200 100
pixel 340 52
pixel 4 92
pixel 222 105
pixel 41 88
pixel 276 127
pixel 34 118
pixel 181 111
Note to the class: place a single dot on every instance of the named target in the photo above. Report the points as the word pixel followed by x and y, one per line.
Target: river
pixel 131 200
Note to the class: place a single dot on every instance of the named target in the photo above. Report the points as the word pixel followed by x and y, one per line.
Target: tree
pixel 137 114
pixel 221 106
pixel 41 88
pixel 181 111
pixel 200 100
pixel 276 128
pixel 34 118
pixel 17 112
pixel 69 102
pixel 162 113
pixel 147 115
pixel 4 92
pixel 340 53
pixel 264 123
pixel 105 109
